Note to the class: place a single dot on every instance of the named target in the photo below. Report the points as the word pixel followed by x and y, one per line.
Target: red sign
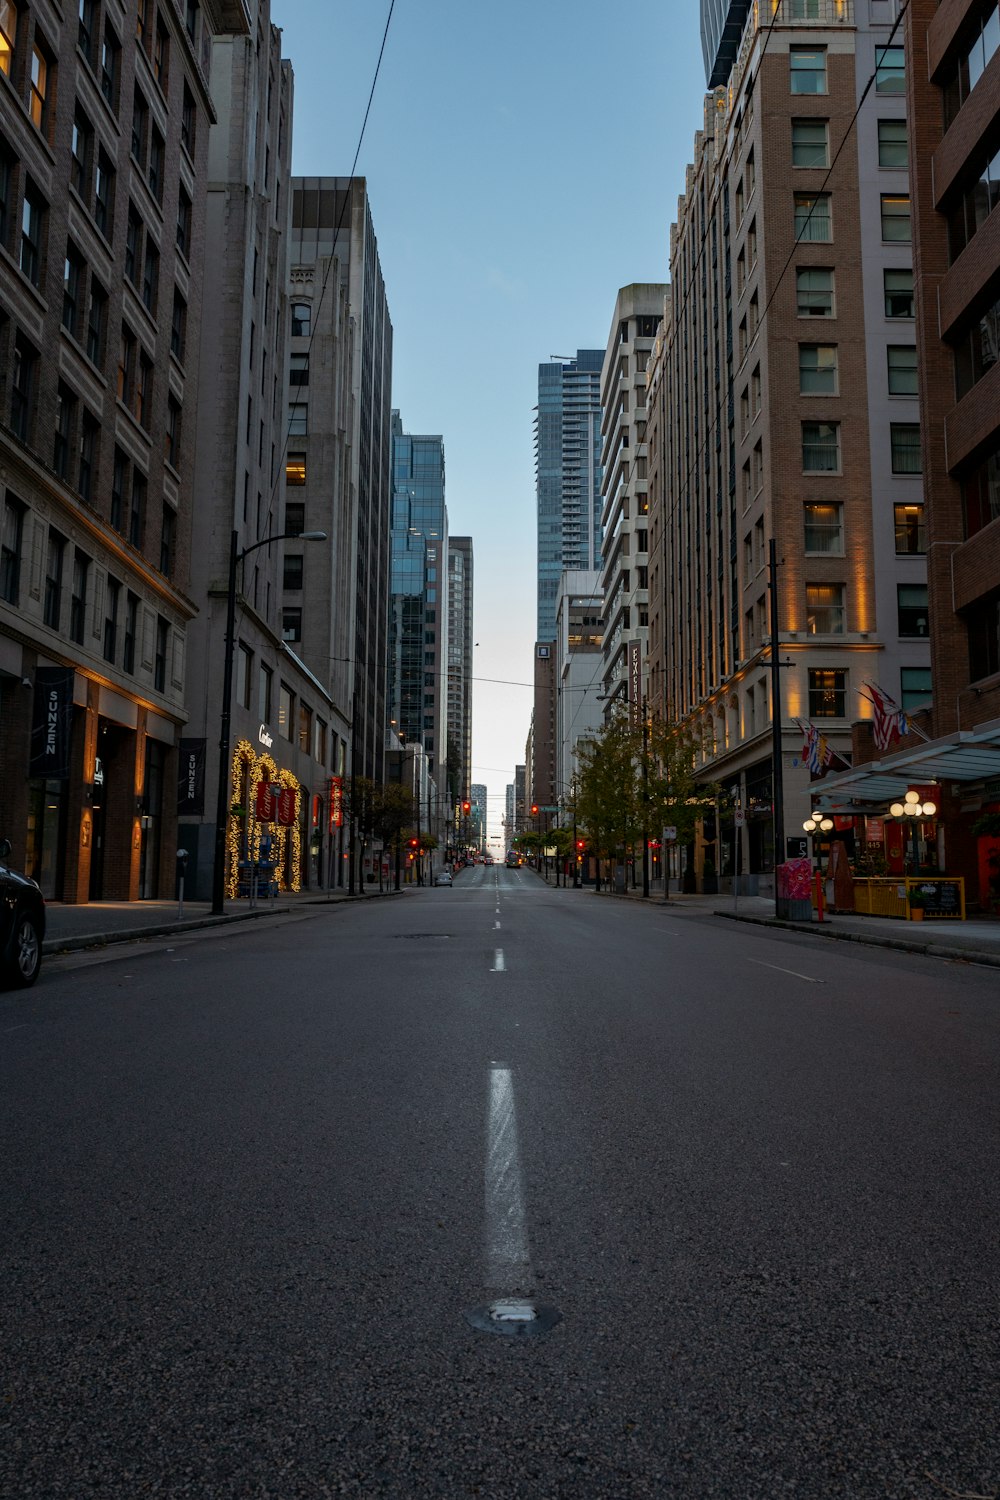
pixel 266 801
pixel 336 802
pixel 286 806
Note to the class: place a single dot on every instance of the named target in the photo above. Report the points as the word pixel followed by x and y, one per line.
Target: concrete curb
pixel 74 944
pixel 871 939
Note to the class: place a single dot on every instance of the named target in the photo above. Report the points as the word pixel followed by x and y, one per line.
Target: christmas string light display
pixel 249 768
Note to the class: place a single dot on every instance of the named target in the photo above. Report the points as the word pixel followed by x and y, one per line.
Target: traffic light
pixel 413 843
pixel 534 809
pixel 581 844
pixel 466 808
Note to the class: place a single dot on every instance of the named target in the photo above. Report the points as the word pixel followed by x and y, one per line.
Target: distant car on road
pixel 22 924
pixel 443 877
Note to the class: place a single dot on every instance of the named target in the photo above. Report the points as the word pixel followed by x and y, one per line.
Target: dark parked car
pixel 22 924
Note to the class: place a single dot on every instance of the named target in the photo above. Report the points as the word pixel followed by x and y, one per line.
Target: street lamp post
pixel 222 803
pixel 908 812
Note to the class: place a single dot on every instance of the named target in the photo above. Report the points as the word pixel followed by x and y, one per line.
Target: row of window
pixel 820 448
pixel 828 690
pixel 811 148
pixel 813 218
pixel 71 570
pixel 808 70
pixel 254 687
pixel 819 376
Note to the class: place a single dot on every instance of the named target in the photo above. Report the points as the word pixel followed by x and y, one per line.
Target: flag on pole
pixel 889 721
pixel 816 751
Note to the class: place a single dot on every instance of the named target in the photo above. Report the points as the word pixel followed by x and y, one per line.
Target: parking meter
pixel 182 859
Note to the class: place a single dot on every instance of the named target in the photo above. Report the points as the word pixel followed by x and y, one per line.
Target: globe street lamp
pixel 908 812
pixel 222 803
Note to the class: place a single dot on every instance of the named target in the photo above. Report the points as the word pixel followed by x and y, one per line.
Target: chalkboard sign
pixel 942 898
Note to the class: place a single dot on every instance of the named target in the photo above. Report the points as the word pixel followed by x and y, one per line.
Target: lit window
pixel 825 608
pixel 824 526
pixel 827 694
pixel 295 469
pixel 911 533
pixel 896 218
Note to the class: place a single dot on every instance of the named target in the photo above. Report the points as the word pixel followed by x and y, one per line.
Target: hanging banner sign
pixel 634 681
pixel 336 802
pixel 266 801
pixel 52 716
pixel 286 806
pixel 191 777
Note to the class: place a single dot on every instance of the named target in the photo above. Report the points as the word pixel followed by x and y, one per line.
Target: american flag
pixel 889 723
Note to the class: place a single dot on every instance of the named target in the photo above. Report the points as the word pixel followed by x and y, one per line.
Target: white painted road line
pixel 807 977
pixel 496 924
pixel 508 1264
pixel 497 962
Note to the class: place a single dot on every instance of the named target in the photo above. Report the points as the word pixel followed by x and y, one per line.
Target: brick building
pixel 105 111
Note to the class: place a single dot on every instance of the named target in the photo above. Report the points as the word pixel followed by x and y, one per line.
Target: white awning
pixel 967 758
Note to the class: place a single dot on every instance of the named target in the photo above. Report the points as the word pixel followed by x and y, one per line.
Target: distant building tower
pixel 339 423
pixel 418 612
pixel 567 475
pixel 460 643
pixel 479 807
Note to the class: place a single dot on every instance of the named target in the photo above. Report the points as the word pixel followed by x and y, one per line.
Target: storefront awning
pixel 967 758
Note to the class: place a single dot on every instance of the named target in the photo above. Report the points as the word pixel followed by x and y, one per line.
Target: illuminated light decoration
pixel 249 768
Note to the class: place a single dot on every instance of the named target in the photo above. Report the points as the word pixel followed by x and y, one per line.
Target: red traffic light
pixel 534 808
pixel 413 843
pixel 466 807
pixel 580 844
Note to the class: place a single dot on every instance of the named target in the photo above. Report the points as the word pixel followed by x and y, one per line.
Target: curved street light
pixel 907 812
pixel 222 802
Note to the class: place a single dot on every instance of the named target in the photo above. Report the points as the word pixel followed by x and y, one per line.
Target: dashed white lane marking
pixel 496 924
pixel 508 1264
pixel 807 977
pixel 498 966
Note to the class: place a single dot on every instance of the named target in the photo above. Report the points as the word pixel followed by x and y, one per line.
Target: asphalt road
pixel 252 1185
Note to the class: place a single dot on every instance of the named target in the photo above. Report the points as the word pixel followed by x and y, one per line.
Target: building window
pixel 892 144
pixel 127 354
pixel 911 533
pixel 977 350
pixel 824 526
pixel 119 480
pixel 160 654
pixel 32 217
pixel 264 677
pixel 140 126
pixel 292 571
pixel 52 603
pixel 172 433
pixel 301 320
pixel 295 518
pixel 183 223
pixel 191 20
pixel 143 392
pixel 818 369
pixel 295 469
pixel 981 493
pixel 8 35
pixel 305 727
pixel 22 388
pixel 111 602
pixel 808 70
pixel 10 549
pixel 131 629
pixel 902 365
pixel 820 447
pixel 810 143
pixel 178 326
pixel 825 608
pixel 904 444
pixel 81 155
pixel 65 413
pixel 298 370
pixel 73 273
pixel 150 276
pixel 827 694
pixel 137 509
pixel 890 71
pixel 154 173
pixel 911 608
pixel 104 193
pixel 298 419
pixel 983 624
pixel 898 283
pixel 896 218
pixel 914 687
pixel 161 55
pixel 133 239
pixel 38 104
pixel 168 532
pixel 813 221
pixel 814 292
pixel 291 624
pixel 189 119
pixel 78 596
pixel 96 322
pixel 89 429
pixel 110 67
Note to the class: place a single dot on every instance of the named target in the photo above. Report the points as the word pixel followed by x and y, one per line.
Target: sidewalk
pixel 101 922
pixel 977 939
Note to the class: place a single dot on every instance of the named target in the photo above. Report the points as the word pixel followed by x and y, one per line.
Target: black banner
pixel 50 723
pixel 191 777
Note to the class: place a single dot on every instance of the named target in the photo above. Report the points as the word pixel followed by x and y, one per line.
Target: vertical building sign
pixel 634 683
pixel 336 802
pixel 51 719
pixel 191 778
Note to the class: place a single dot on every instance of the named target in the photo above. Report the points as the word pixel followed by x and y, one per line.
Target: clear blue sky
pixel 523 162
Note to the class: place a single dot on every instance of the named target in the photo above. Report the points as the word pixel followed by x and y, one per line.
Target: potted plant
pixel 916 900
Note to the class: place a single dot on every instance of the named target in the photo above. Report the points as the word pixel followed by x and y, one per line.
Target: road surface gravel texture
pixel 254 1179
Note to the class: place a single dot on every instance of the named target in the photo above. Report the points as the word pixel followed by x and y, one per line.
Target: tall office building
pixel 280 713
pixel 461 594
pixel 418 609
pixel 787 375
pixel 478 798
pixel 579 694
pixel 625 488
pixel 339 425
pixel 567 474
pixel 104 116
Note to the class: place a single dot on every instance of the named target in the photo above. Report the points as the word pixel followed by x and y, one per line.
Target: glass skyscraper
pixel 418 652
pixel 567 475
